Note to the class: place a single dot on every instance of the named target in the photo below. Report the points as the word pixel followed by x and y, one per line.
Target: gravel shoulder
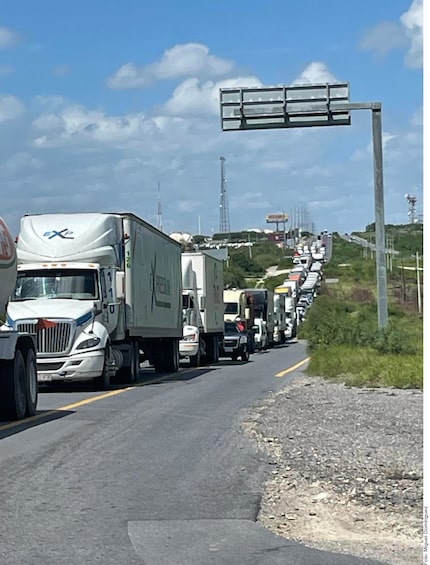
pixel 347 468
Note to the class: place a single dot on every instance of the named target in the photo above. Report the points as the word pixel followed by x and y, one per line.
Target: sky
pixel 101 102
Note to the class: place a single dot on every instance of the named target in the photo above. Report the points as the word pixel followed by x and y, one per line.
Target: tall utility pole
pixel 224 216
pixel 159 220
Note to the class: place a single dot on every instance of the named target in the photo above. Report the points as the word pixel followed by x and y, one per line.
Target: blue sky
pixel 101 100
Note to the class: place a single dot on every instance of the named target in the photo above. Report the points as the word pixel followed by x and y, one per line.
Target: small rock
pixel 320 496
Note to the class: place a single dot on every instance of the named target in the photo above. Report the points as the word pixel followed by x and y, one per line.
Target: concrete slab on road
pixel 224 542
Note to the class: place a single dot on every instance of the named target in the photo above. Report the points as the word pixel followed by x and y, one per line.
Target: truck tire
pixel 166 357
pixel 244 355
pixel 134 362
pixel 195 360
pixel 103 381
pixel 212 350
pixel 31 385
pixel 13 399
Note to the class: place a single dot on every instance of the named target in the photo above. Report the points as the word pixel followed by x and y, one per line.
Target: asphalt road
pixel 157 474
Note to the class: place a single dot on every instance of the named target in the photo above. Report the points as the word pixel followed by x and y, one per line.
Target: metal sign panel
pixel 276 218
pixel 284 106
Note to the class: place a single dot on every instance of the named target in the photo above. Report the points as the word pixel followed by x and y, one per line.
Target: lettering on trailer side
pixel 159 285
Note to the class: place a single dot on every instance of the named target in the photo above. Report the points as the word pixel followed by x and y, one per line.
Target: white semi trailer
pixel 101 291
pixel 203 307
pixel 18 373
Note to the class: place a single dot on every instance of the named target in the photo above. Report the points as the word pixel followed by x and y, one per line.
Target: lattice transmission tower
pixel 412 201
pixel 224 215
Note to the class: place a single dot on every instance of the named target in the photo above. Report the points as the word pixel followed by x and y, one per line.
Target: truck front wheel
pixel 31 386
pixel 13 398
pixel 103 381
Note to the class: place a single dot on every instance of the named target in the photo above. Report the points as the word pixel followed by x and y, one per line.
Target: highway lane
pixel 156 474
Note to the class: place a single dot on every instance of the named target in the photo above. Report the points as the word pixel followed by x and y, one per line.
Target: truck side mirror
pixel 247 313
pixel 202 302
pixel 120 285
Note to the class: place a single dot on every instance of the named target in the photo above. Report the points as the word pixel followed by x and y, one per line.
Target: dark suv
pixel 235 343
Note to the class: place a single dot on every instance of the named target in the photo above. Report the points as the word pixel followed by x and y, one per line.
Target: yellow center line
pixel 293 368
pixel 91 399
pixel 94 399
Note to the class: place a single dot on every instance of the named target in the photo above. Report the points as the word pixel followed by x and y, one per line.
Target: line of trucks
pixel 90 296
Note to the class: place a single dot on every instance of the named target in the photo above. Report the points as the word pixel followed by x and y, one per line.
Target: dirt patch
pixel 347 468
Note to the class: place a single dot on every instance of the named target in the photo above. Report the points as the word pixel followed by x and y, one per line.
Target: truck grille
pixel 49 340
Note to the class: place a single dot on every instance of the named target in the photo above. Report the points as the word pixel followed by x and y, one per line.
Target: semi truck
pixel 290 296
pixel 264 309
pixel 102 291
pixel 18 371
pixel 202 307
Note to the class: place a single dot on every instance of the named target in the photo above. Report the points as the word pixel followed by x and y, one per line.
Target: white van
pixel 260 334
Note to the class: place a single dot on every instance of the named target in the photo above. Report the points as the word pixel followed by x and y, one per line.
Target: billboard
pixel 276 218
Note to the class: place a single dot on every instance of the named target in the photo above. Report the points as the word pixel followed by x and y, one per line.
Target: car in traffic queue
pixel 260 334
pixel 235 342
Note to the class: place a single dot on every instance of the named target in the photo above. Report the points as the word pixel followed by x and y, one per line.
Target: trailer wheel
pixel 13 400
pixel 31 385
pixel 195 360
pixel 134 362
pixel 212 351
pixel 166 359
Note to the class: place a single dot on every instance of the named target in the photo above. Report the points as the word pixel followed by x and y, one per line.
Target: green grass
pixel 345 343
pixel 364 366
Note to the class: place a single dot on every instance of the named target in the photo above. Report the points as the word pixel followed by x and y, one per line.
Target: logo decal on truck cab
pixel 64 234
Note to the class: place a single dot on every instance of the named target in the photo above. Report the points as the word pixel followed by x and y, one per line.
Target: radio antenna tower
pixel 412 200
pixel 159 220
pixel 224 216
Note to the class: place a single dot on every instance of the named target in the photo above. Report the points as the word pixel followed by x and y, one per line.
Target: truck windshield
pixel 79 284
pixel 230 308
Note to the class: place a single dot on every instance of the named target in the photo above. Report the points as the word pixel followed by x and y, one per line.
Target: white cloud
pixel 10 108
pixel 76 125
pixel 417 117
pixel 383 38
pixel 407 32
pixel 62 156
pixel 187 60
pixel 364 153
pixel 192 97
pixel 412 20
pixel 316 72
pixel 8 37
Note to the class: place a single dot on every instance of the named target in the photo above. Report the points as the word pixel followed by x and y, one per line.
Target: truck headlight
pixel 92 342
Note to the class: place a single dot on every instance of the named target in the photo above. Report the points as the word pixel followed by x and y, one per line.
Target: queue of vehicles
pixel 93 295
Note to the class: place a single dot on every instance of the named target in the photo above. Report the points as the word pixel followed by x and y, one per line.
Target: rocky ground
pixel 347 468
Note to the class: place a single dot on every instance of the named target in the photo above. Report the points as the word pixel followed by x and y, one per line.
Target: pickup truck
pixel 235 342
